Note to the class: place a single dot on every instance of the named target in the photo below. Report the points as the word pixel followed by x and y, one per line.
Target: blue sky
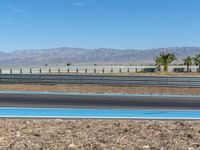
pixel 139 24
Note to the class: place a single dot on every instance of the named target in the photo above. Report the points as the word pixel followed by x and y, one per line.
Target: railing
pixel 68 70
pixel 87 70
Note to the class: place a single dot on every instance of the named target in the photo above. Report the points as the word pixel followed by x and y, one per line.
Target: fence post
pixel 10 70
pixel 1 71
pixel 95 70
pixel 30 70
pixel 128 70
pixel 120 70
pixel 20 70
pixel 68 70
pixel 49 70
pixel 59 70
pixel 111 70
pixel 103 70
pixel 77 70
pixel 86 71
pixel 40 70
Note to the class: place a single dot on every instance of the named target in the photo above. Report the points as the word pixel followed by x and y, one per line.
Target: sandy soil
pixel 101 89
pixel 99 134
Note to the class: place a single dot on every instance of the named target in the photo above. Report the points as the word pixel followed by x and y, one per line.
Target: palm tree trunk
pixel 166 68
pixel 188 68
pixel 159 68
pixel 199 68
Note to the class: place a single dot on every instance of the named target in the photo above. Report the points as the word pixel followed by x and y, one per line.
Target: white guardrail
pixel 84 69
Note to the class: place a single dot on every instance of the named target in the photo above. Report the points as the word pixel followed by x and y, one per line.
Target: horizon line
pixel 25 49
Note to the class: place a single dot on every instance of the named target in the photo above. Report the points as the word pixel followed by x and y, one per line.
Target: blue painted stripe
pixel 99 113
pixel 94 94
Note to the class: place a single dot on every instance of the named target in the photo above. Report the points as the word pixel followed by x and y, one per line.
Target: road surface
pixel 53 79
pixel 98 101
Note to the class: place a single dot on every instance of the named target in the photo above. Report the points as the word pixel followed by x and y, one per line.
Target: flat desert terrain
pixel 100 89
pixel 99 135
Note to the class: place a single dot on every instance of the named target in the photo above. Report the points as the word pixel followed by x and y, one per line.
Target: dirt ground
pixel 99 135
pixel 100 89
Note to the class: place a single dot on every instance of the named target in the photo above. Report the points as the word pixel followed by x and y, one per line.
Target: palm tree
pixel 196 60
pixel 188 62
pixel 158 60
pixel 166 59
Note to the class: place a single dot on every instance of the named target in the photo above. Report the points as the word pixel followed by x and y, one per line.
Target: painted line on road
pixel 95 94
pixel 97 113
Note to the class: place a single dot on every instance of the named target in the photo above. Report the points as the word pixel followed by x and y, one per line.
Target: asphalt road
pixel 51 79
pixel 98 101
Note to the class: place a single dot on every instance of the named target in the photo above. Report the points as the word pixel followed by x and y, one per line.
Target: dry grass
pixel 100 89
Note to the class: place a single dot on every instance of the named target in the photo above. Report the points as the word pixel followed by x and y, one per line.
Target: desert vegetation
pixel 188 62
pixel 196 60
pixel 165 59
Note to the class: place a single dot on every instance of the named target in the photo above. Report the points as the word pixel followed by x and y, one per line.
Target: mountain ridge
pixel 63 55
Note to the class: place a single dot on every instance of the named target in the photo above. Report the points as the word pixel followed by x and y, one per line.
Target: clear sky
pixel 139 24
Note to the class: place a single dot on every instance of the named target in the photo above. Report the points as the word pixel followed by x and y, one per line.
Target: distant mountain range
pixel 64 55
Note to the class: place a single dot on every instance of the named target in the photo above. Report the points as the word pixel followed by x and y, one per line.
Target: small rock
pixel 37 146
pixel 146 147
pixel 189 136
pixel 72 146
pixel 36 134
pixel 18 145
pixel 1 139
pixel 18 134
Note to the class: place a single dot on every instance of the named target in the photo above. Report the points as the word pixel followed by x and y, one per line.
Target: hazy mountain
pixel 57 56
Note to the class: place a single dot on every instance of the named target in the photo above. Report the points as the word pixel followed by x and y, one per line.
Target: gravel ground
pixel 99 134
pixel 101 89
